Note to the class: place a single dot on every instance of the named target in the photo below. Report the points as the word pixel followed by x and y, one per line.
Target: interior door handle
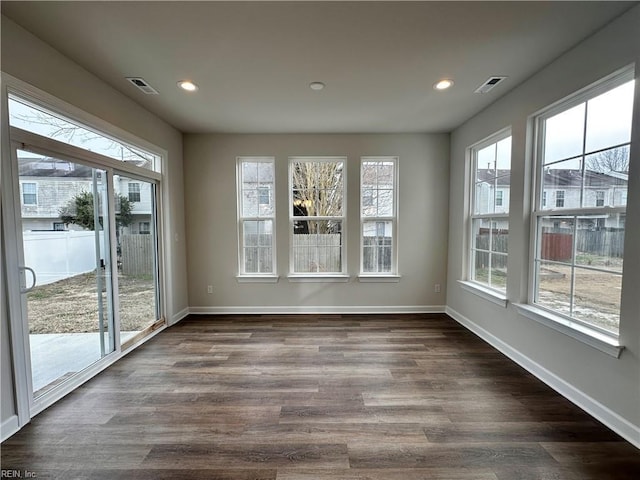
pixel 26 289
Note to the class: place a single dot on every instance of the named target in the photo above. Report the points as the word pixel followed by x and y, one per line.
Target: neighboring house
pixel 562 189
pixel 47 185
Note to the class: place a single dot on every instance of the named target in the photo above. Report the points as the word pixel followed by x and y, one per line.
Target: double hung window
pixel 489 219
pixel 256 215
pixel 582 160
pixel 378 207
pixel 317 215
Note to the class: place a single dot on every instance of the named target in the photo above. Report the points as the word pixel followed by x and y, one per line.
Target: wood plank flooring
pixel 352 397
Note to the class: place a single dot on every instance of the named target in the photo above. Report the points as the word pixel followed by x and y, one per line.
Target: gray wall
pixel 210 173
pixel 612 384
pixel 26 57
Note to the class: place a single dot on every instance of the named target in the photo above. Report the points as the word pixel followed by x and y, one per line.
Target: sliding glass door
pixel 66 267
pixel 137 242
pixel 80 227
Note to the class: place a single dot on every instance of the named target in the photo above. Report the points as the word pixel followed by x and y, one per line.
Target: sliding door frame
pixel 13 139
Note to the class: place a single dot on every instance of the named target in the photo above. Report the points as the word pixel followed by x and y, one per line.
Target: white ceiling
pixel 254 61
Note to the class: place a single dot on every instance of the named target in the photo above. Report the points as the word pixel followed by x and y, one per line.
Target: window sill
pixel 364 278
pixel 257 278
pixel 484 292
pixel 309 278
pixel 593 338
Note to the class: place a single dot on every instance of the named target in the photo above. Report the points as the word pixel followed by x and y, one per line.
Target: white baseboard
pixel 179 316
pixel 9 427
pixel 611 419
pixel 283 310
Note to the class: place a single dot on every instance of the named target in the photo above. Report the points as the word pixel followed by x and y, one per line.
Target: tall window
pixel 489 233
pixel 583 147
pixel 378 206
pixel 29 193
pixel 134 192
pixel 317 214
pixel 256 215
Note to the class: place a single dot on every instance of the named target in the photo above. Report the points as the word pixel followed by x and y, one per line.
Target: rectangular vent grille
pixel 489 84
pixel 143 85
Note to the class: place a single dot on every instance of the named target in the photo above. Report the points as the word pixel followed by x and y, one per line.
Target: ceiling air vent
pixel 489 84
pixel 143 85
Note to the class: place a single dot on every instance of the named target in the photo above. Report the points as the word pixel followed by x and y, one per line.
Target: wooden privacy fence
pixel 601 242
pixel 500 244
pixel 556 246
pixel 137 254
pixel 559 246
pixel 316 253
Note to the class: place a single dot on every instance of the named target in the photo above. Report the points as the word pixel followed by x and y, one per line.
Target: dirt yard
pixel 71 305
pixel 597 294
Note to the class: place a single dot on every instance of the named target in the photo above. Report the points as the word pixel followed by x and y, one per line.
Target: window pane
pixel 317 246
pixel 554 287
pixel 498 277
pixel 137 239
pixel 503 156
pixel 608 171
pixel 556 239
pixel 482 233
pixel 377 243
pixel 317 188
pixel 250 231
pixel 257 189
pixel 486 160
pixel 502 194
pixel 563 134
pixel 600 242
pixel 597 298
pixel 250 206
pixel 484 198
pixel 609 118
pixel 41 122
pixel 258 241
pixel 500 237
pixel 563 184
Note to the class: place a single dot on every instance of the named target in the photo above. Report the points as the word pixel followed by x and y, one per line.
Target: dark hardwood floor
pixel 353 397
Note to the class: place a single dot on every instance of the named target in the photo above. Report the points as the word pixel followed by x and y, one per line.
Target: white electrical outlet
pixel 436 288
pixel 209 288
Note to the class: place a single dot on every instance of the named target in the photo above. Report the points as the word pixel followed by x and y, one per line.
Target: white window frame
pixel 599 338
pixel 133 188
pixel 342 275
pixel 23 193
pixel 484 290
pixel 391 275
pixel 243 275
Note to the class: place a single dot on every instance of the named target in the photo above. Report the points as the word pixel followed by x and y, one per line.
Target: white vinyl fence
pixel 58 255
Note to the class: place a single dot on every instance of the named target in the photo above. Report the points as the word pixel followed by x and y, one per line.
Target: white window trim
pixel 341 276
pixel 22 193
pixel 391 276
pixel 482 290
pixel 255 277
pixel 598 340
pixel 485 292
pixel 604 341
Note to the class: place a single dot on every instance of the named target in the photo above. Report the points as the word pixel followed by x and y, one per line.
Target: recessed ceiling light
pixel 316 85
pixel 443 84
pixel 187 85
